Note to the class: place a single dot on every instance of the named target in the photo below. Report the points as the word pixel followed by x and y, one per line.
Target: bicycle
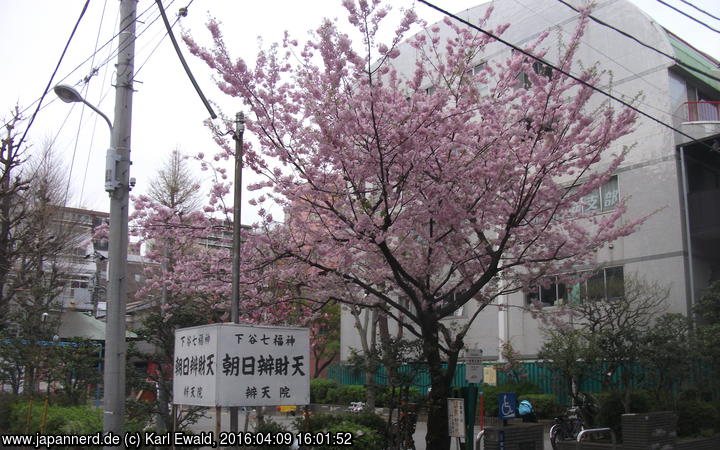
pixel 568 425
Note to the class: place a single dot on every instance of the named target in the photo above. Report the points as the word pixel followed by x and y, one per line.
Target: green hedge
pixel 331 392
pixel 316 423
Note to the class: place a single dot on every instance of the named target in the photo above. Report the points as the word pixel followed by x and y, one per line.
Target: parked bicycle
pixel 577 418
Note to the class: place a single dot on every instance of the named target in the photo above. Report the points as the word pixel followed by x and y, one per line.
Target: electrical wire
pixel 630 36
pixel 82 111
pixel 184 63
pixel 110 41
pixel 177 19
pixel 47 88
pixel 688 16
pixel 701 10
pixel 101 97
pixel 600 52
pixel 563 72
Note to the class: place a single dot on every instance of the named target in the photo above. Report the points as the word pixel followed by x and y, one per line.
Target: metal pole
pixel 688 236
pixel 117 183
pixel 237 210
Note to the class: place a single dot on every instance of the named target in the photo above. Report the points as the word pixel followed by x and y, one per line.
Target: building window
pixel 604 284
pixel 469 74
pixel 540 69
pixel 602 199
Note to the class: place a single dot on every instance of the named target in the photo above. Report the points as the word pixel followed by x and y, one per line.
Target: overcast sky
pixel 167 112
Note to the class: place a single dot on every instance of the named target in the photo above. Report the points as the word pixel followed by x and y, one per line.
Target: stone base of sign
pixel 517 436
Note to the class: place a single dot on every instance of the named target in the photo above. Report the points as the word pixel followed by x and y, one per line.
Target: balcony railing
pixel 703 111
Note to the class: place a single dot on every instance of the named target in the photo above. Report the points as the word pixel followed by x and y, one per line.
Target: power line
pixel 182 60
pixel 82 112
pixel 689 16
pixel 701 10
pixel 630 36
pixel 177 19
pixel 101 97
pixel 110 41
pixel 559 70
pixel 47 88
pixel 642 77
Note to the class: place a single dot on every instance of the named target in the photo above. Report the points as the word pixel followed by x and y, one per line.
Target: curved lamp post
pixel 70 95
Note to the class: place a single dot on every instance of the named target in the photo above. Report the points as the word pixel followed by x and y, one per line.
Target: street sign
pixel 456 417
pixel 506 405
pixel 241 365
pixel 490 375
pixel 473 366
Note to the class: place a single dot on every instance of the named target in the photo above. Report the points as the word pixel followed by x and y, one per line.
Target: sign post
pixel 507 404
pixel 473 376
pixel 456 418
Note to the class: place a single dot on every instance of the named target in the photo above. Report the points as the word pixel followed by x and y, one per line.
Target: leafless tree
pixel 175 186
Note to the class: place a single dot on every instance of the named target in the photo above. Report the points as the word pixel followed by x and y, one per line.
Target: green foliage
pixel 344 395
pixel 365 420
pixel 75 367
pixel 611 408
pixel 566 353
pixel 364 438
pixel 696 418
pixel 319 388
pixel 410 394
pixel 708 334
pixel 60 419
pixel 666 355
pixel 491 394
pixel 271 427
pixel 159 331
pixel 330 392
pixel 546 406
pixel 7 401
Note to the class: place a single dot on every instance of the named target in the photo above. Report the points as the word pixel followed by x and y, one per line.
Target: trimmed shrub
pixel 316 423
pixel 319 388
pixel 696 418
pixel 384 397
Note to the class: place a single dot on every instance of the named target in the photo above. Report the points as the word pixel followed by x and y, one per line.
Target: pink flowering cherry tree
pixel 423 199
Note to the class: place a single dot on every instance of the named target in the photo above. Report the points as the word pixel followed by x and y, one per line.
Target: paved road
pixel 208 424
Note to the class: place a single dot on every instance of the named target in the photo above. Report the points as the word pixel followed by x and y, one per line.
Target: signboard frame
pixel 229 364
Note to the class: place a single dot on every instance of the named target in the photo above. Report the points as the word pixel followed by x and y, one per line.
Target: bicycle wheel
pixel 554 436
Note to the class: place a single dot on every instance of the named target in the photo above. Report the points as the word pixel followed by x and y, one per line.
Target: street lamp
pixel 70 95
pixel 118 185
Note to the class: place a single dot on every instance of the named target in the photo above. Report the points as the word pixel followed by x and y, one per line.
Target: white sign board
pixel 456 417
pixel 473 366
pixel 241 365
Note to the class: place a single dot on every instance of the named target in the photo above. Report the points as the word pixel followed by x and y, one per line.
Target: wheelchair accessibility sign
pixel 507 404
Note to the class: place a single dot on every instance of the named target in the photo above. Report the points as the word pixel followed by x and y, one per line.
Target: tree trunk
pixel 437 437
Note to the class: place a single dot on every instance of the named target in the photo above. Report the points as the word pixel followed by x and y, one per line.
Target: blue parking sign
pixel 506 405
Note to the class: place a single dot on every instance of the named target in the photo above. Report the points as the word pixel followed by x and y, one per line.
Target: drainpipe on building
pixel 690 302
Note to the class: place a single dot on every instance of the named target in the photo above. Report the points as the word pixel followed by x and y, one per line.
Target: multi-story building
pixel 674 178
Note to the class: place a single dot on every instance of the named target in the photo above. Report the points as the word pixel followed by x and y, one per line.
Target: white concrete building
pixel 679 245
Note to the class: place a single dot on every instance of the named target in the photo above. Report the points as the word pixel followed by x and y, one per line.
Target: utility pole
pixel 117 184
pixel 237 210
